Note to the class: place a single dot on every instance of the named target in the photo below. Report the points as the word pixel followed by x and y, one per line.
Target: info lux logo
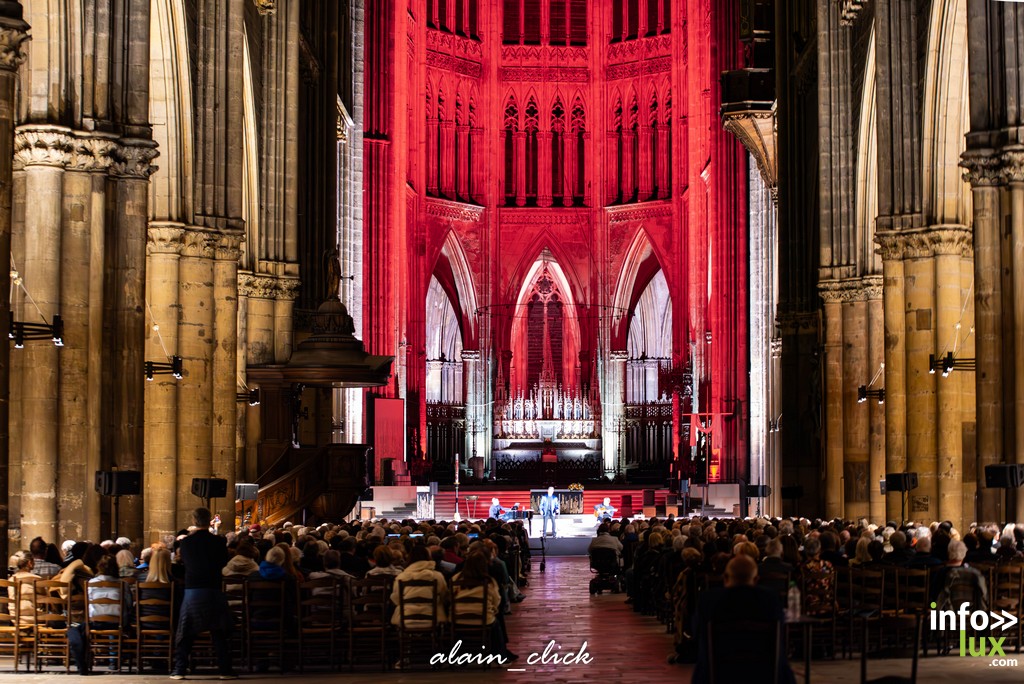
pixel 978 620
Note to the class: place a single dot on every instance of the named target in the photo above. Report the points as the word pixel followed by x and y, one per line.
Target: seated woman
pixel 421 567
pixel 25 580
pixel 107 571
pixel 474 582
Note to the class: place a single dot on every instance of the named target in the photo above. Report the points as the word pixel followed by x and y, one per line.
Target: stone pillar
pixel 464 166
pixel 646 180
pixel 894 318
pixel 225 370
pixel 13 32
pixel 856 427
pixel 544 168
pixel 81 361
pixel 833 323
pixel 662 158
pixel 588 153
pixel 948 244
pixel 126 312
pixel 876 412
pixel 474 413
pixel 519 165
pixel 195 346
pixel 984 175
pixel 43 151
pixel 161 470
pixel 611 411
pixel 1013 168
pixel 284 304
pixel 432 155
pixel 448 159
pixel 919 327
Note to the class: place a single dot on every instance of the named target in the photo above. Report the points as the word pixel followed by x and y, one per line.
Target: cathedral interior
pixel 315 246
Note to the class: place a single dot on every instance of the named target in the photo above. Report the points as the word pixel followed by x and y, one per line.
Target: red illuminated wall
pixel 497 129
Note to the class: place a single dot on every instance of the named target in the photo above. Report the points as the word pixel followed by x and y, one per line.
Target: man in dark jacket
pixel 204 606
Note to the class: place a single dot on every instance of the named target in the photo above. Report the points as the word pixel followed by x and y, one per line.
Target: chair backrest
pixel 913 589
pixel 318 602
pixel 1007 587
pixel 154 606
pixel 469 607
pixel 105 610
pixel 9 606
pixel 759 655
pixel 264 603
pixel 51 608
pixel 417 604
pixel 775 582
pixel 369 599
pixel 868 589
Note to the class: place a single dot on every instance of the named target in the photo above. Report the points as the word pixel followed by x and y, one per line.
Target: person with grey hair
pixel 960 583
pixel 772 563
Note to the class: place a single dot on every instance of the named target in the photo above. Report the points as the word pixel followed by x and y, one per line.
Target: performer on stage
pixel 605 510
pixel 510 514
pixel 549 509
pixel 496 510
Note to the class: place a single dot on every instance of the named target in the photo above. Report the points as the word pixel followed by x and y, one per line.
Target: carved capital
pixel 257 286
pixel 228 247
pixel 92 152
pixel 13 33
pixel 1012 159
pixel 42 145
pixel 266 7
pixel 165 238
pixel 470 354
pixel 849 11
pixel 198 244
pixel 982 167
pixel 949 239
pixel 839 290
pixel 872 287
pixel 288 289
pixel 755 129
pixel 796 322
pixel 917 245
pixel 890 245
pixel 618 355
pixel 133 157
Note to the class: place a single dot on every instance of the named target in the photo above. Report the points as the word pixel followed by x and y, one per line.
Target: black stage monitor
pixel 209 487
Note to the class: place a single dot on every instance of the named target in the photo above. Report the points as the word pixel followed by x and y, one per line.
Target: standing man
pixel 549 509
pixel 204 606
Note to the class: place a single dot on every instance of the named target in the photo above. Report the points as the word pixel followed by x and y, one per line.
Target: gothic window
pixel 544 329
pixel 616 20
pixel 521 22
pixel 639 18
pixel 632 163
pixel 632 18
pixel 578 129
pixel 568 22
pixel 531 124
pixel 665 177
pixel 666 16
pixel 558 161
pixel 453 16
pixel 511 125
pixel 615 191
pixel 651 162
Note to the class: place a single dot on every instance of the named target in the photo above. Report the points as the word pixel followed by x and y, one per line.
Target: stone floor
pixel 623 647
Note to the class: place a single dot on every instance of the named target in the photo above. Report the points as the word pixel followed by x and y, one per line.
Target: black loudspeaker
pixel 758 491
pixel 626 507
pixel 648 497
pixel 793 492
pixel 881 486
pixel 209 487
pixel 245 491
pixel 118 482
pixel 900 482
pixel 1004 476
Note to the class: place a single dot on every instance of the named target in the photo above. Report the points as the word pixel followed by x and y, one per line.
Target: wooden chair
pixel 369 617
pixel 818 591
pixel 1006 593
pixel 51 631
pixel 897 622
pixel 16 632
pixel 154 624
pixel 233 587
pixel 418 619
pixel 319 622
pixel 265 622
pixel 469 615
pixel 105 626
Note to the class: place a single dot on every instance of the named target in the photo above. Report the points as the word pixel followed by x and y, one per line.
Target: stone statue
pixel 332 271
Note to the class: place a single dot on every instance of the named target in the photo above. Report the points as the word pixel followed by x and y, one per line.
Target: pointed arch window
pixel 531 125
pixel 511 126
pixel 453 16
pixel 521 22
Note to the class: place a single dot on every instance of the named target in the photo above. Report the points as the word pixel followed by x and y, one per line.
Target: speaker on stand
pixel 1005 476
pixel 208 488
pixel 902 483
pixel 245 492
pixel 118 483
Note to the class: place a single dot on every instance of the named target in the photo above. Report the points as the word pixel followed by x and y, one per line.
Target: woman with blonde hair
pixel 159 565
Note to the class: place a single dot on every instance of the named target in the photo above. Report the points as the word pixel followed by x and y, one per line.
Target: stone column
pixel 287 291
pixel 894 318
pixel 126 315
pixel 13 32
pixel 646 180
pixel 195 346
pixel 984 175
pixel 432 155
pixel 1013 168
pixel 588 153
pixel 225 369
pixel 82 233
pixel 831 292
pixel 919 327
pixel 161 471
pixel 876 412
pixel 856 427
pixel 474 414
pixel 448 159
pixel 544 168
pixel 611 411
pixel 464 166
pixel 948 244
pixel 519 165
pixel 43 151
